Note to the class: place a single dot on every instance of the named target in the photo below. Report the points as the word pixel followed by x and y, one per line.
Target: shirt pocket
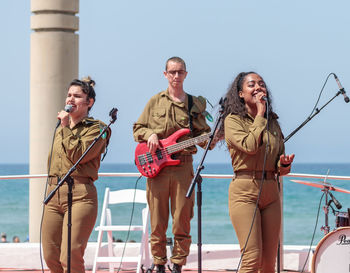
pixel 181 117
pixel 158 117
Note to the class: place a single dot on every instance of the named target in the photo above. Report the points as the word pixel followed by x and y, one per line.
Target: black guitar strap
pixel 190 104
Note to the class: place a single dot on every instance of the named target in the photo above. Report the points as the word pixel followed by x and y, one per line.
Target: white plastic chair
pixel 119 197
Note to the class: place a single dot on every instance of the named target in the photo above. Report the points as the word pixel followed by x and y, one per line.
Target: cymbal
pixel 321 185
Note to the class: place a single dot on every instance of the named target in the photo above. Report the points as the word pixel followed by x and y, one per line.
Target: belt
pixel 255 174
pixel 184 158
pixel 53 180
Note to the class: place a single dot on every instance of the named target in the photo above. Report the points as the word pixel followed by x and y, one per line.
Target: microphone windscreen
pixel 68 108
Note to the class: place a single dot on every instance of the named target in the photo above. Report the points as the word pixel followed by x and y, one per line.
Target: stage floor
pixel 13 270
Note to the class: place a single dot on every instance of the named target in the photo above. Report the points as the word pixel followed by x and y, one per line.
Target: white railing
pixel 220 176
pixel 214 176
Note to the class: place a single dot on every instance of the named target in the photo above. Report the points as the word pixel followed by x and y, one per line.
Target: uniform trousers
pixel 171 183
pixel 54 229
pixel 261 250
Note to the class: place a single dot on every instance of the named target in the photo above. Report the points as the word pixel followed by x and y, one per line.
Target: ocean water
pixel 301 203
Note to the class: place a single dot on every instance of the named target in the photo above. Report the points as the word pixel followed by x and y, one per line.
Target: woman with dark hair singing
pixel 255 142
pixel 72 138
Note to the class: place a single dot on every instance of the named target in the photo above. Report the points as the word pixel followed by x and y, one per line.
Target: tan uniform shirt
pixel 70 144
pixel 163 116
pixel 246 139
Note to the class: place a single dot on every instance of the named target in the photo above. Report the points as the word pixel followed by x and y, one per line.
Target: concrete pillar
pixel 53 64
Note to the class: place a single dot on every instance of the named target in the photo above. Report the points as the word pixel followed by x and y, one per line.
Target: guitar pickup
pixel 159 154
pixel 142 160
pixel 149 157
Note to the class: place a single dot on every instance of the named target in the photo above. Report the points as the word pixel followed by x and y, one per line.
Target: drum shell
pixel 332 252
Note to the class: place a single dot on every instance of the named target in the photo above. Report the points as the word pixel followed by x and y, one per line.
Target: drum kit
pixel 332 253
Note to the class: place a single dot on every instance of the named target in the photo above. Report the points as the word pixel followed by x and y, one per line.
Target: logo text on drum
pixel 343 240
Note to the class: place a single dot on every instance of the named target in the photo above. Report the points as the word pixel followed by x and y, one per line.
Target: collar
pixel 166 94
pixel 85 121
pixel 249 116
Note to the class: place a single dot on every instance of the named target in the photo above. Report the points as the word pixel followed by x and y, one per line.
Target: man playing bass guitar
pixel 164 114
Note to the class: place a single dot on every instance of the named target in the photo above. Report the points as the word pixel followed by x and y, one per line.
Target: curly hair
pixel 87 85
pixel 234 104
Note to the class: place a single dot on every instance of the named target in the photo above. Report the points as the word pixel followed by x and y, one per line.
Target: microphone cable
pixel 261 186
pixel 313 235
pixel 315 109
pixel 45 191
pixel 131 218
pixel 319 96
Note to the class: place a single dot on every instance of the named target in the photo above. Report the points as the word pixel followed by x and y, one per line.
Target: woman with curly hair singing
pixel 255 142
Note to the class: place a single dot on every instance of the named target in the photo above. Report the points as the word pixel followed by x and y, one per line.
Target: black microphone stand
pixel 67 178
pixel 198 179
pixel 311 117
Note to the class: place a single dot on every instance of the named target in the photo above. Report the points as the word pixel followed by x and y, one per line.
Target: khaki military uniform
pixel 163 116
pixel 246 139
pixel 69 145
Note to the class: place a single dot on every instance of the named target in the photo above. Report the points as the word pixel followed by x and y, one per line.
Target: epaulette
pixel 90 121
pixel 199 104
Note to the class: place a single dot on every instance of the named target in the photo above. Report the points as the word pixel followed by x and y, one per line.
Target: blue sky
pixel 294 45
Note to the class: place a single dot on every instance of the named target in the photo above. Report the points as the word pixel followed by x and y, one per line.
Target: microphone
pixel 341 89
pixel 264 98
pixel 335 201
pixel 67 108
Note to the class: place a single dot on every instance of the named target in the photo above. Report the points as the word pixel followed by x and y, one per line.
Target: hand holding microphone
pixel 261 96
pixel 261 101
pixel 63 116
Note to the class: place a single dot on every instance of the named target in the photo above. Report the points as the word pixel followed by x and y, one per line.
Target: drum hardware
pixel 326 188
pixel 326 191
pixel 326 228
pixel 332 252
pixel 341 219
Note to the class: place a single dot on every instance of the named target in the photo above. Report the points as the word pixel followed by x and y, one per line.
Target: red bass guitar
pixel 150 164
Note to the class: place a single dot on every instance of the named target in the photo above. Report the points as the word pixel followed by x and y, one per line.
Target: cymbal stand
pixel 326 189
pixel 325 228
